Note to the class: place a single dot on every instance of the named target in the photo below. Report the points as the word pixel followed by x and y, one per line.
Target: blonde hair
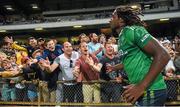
pixel 3 54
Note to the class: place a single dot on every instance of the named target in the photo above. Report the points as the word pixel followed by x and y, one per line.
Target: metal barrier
pixel 173 91
pixel 72 93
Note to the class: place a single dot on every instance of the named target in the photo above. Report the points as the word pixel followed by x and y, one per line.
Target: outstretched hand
pixel 119 79
pixel 44 63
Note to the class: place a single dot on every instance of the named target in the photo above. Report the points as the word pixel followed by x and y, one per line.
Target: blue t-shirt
pixel 52 54
pixel 94 47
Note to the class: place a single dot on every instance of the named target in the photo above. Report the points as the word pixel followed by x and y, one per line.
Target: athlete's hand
pixel 132 93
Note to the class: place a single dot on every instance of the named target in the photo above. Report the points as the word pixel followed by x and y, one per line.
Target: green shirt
pixel 136 62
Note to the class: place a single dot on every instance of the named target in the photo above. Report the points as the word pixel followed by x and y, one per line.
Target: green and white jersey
pixel 136 62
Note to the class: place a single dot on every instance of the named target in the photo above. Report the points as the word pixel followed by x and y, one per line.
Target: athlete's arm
pixel 160 59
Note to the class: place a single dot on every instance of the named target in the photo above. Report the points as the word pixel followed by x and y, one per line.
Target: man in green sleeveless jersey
pixel 143 58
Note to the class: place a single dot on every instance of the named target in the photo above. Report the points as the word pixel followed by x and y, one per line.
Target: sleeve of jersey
pixel 17 47
pixel 57 60
pixel 141 37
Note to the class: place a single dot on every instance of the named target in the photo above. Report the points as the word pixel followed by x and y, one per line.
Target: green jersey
pixel 136 62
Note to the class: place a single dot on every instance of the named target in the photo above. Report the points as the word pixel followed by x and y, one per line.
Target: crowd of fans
pixel 39 18
pixel 173 49
pixel 36 68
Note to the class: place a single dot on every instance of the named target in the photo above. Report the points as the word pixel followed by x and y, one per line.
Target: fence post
pixel 178 90
pixel 39 93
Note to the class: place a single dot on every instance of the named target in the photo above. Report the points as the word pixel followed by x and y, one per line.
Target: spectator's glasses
pixel 71 64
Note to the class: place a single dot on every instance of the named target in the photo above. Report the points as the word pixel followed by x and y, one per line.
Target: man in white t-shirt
pixel 66 62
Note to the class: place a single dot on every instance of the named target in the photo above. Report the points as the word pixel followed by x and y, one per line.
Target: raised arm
pixel 160 59
pixel 98 51
pixel 94 66
pixel 7 74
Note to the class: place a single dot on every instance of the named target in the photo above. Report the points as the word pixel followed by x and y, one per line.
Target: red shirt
pixel 86 72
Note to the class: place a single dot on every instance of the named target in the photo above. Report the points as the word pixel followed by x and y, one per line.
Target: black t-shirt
pixel 112 75
pixel 30 50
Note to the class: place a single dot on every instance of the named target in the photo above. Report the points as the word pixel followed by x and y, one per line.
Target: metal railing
pixel 173 86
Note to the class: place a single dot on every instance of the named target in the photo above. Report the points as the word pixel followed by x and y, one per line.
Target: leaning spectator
pixel 20 88
pixel 8 90
pixel 66 63
pixel 53 50
pixel 4 73
pixel 42 75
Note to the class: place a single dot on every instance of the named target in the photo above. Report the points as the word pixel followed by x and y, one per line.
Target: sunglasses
pixel 71 64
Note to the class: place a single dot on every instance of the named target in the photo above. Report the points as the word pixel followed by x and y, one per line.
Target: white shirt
pixel 64 64
pixel 170 65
